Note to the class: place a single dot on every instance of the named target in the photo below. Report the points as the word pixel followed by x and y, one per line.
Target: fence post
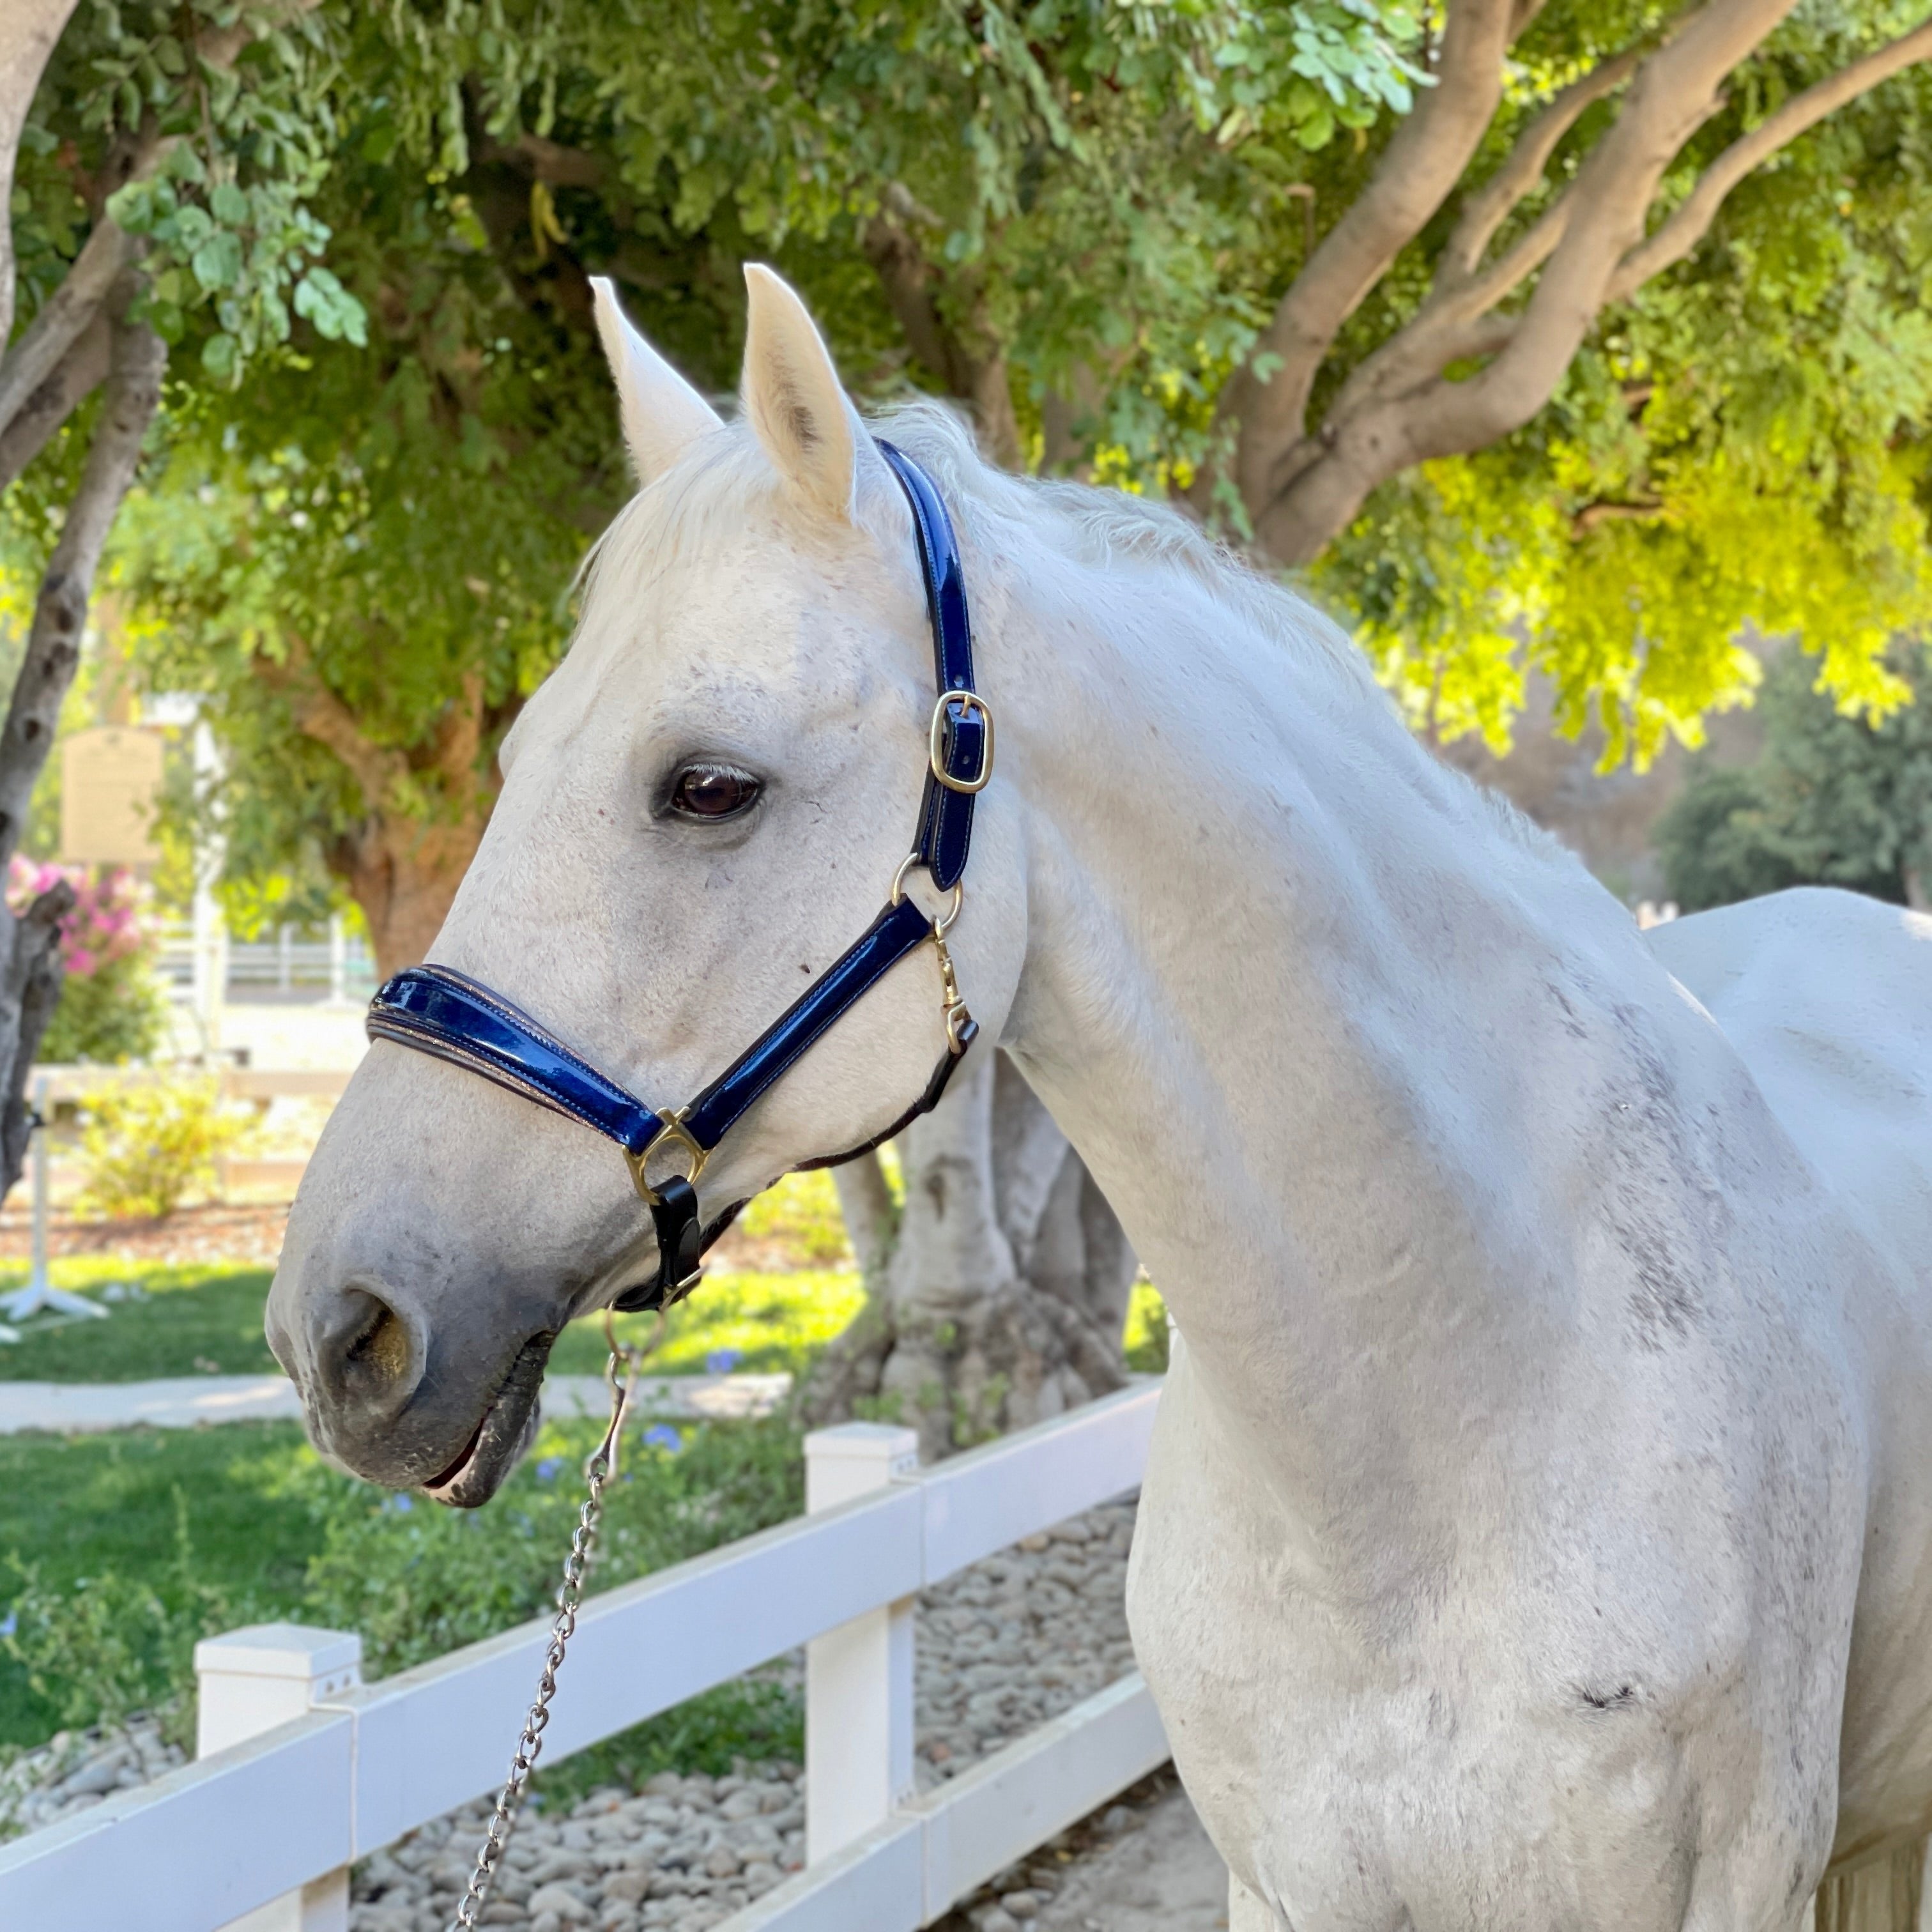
pixel 251 1681
pixel 858 1678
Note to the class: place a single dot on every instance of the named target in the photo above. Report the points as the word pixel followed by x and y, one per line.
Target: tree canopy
pixel 1208 246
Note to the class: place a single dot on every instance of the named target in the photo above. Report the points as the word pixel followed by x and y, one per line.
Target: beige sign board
pixel 109 780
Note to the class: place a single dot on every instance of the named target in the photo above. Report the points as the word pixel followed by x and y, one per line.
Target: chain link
pixel 598 1470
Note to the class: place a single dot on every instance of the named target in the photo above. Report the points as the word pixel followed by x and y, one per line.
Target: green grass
pixel 117 1551
pixel 201 1321
pixel 195 1320
pixel 761 1322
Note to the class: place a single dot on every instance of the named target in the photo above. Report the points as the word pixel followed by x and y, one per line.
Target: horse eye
pixel 712 791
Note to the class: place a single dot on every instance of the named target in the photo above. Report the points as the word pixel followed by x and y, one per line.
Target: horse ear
pixel 793 399
pixel 663 414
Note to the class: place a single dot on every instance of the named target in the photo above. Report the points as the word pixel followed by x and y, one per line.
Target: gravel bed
pixel 1002 1647
pixel 74 1770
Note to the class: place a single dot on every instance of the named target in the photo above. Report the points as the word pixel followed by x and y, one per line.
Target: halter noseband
pixel 447 1014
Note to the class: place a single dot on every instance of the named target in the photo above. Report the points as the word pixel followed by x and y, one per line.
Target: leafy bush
pixel 418 1580
pixel 1832 801
pixel 145 1147
pixel 112 1009
pixel 802 1212
pixel 108 1647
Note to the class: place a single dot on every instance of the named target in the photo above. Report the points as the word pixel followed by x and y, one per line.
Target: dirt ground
pixel 1162 1876
pixel 250 1235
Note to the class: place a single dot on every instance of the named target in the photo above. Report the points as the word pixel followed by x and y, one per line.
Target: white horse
pixel 1536 1533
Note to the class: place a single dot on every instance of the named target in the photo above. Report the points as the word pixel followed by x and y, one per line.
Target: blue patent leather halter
pixel 438 1011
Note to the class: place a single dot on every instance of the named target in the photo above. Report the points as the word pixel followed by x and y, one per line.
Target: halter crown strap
pixel 439 1011
pixel 961 740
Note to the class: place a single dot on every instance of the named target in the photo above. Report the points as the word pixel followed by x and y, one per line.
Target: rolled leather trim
pixel 446 1013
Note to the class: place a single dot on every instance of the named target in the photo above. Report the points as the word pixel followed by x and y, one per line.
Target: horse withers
pixel 1536 1528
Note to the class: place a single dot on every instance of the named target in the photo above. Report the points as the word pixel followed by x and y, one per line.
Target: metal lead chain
pixel 600 1467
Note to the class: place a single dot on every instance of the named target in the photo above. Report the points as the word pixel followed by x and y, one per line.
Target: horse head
pixel 701 809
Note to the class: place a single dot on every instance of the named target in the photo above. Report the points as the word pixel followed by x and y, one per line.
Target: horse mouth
pixel 507 1427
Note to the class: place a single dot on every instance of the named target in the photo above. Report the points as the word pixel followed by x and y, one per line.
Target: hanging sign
pixel 110 780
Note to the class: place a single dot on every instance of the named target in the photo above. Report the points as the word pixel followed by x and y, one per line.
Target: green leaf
pixel 221 357
pixel 132 207
pixel 218 262
pixel 229 205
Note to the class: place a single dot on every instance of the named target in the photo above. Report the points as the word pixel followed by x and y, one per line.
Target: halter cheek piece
pixel 446 1013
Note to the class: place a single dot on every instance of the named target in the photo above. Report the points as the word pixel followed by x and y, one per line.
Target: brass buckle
pixel 935 743
pixel 674 1131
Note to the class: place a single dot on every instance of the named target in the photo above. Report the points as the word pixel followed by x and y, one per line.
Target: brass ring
pixel 935 743
pixel 941 925
pixel 673 1129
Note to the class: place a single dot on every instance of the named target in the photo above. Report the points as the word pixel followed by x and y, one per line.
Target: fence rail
pixel 262 1820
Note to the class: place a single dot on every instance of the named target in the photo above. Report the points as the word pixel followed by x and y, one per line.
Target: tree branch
pixel 977 377
pixel 1599 221
pixel 1687 225
pixel 320 715
pixel 80 372
pixel 549 162
pixel 1486 210
pixel 1423 160
pixel 29 32
pixel 63 317
pixel 60 613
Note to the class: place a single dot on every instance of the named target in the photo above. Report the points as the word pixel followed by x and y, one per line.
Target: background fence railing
pixel 336 965
pixel 303 1768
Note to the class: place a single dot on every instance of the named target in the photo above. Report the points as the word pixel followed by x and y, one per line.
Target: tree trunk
pixel 30 961
pixel 999 1298
pixel 404 876
pixel 401 863
pixel 28 30
pixel 1881 1896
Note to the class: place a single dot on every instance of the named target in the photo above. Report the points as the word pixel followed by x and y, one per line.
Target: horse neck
pixel 1315 1014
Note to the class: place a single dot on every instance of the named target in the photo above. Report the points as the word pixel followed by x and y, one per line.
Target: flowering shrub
pixel 145 1147
pixel 111 1007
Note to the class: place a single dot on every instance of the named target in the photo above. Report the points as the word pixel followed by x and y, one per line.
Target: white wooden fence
pixel 305 1768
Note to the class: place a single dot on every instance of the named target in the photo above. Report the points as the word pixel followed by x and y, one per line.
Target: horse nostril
pixel 368 1353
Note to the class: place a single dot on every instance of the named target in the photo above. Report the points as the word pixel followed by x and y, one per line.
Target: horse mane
pixel 1096 526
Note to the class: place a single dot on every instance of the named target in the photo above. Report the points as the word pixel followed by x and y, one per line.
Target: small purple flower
pixel 662 1435
pixel 402 1505
pixel 547 1468
pixel 722 1361
pixel 10 1623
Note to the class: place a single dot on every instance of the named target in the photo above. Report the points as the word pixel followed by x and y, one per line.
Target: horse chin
pixel 508 1427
